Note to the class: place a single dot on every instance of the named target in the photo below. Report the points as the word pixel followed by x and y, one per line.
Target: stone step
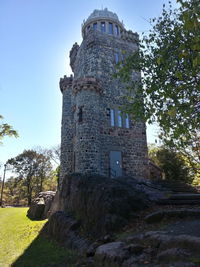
pixel 178 202
pixel 183 190
pixel 178 213
pixel 185 196
pixel 177 186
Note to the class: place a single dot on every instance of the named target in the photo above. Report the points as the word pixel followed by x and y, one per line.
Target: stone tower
pixel 96 136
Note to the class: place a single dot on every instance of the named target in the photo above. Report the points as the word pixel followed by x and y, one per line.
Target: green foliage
pixel 168 92
pixel 6 130
pixel 32 169
pixel 21 246
pixel 172 163
pixel 14 192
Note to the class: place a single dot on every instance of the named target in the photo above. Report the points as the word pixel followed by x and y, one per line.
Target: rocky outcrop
pixel 92 208
pixel 41 205
pixel 150 249
pixel 64 228
pixel 102 205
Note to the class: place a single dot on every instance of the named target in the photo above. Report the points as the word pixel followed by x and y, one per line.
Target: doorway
pixel 115 164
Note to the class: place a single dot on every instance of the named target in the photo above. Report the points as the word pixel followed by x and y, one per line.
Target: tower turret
pixel 96 136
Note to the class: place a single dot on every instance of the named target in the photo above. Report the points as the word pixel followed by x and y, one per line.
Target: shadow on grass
pixel 43 252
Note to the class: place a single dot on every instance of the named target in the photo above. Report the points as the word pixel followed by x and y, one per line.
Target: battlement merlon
pixel 130 36
pixel 66 83
pixel 73 54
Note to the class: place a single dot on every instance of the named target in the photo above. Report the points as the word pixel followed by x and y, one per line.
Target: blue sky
pixel 35 39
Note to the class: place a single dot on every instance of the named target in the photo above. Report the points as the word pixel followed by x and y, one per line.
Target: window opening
pixel 103 26
pixel 110 28
pixel 95 26
pixel 127 121
pixel 116 57
pixel 80 114
pixel 112 117
pixel 116 30
pixel 119 118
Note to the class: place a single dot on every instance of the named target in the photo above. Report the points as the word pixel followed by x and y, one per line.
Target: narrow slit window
pixel 103 26
pixel 127 121
pixel 110 28
pixel 88 27
pixel 95 26
pixel 80 114
pixel 74 162
pixel 119 118
pixel 112 117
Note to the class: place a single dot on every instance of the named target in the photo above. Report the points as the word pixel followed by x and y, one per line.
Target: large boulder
pixel 102 205
pixel 41 205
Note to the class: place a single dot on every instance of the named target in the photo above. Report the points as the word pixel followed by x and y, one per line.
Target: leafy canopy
pixel 32 169
pixel 174 165
pixel 6 130
pixel 169 58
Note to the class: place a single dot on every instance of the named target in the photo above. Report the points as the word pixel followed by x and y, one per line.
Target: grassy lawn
pixel 20 245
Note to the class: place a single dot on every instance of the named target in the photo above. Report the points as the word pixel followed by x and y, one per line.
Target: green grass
pixel 22 246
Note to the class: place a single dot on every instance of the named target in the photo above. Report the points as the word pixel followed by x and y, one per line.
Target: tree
pixel 32 169
pixel 169 90
pixel 14 191
pixel 172 163
pixel 6 130
pixel 53 154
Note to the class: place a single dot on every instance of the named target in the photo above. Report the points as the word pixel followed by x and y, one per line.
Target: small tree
pixel 172 163
pixel 32 169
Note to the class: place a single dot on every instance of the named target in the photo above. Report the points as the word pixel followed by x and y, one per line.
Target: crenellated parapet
pixel 87 83
pixel 66 83
pixel 73 54
pixel 130 36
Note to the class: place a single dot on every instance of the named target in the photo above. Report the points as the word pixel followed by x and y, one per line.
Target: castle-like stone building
pixel 96 136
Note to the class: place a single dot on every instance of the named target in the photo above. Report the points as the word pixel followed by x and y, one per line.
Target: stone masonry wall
pixel 86 143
